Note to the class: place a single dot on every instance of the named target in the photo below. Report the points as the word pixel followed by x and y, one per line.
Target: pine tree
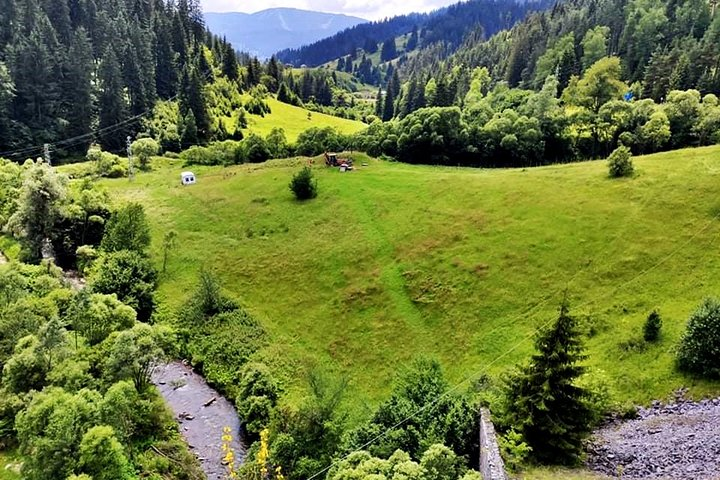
pixel 35 70
pixel 78 91
pixel 192 99
pixel 413 40
pixel 389 106
pixel 379 104
pixel 7 92
pixel 166 72
pixel 389 51
pixel 229 62
pixel 274 71
pixel 189 130
pixel 112 104
pixel 543 402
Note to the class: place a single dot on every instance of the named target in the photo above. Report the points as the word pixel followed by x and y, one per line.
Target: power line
pixel 69 142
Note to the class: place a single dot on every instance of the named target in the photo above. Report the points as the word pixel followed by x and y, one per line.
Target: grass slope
pixel 294 120
pixel 9 466
pixel 394 260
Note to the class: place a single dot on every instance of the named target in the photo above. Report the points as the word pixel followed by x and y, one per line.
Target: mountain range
pixel 263 33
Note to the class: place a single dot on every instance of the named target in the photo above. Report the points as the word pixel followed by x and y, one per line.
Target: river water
pixel 201 419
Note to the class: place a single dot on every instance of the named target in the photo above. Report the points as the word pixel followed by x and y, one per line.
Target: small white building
pixel 188 178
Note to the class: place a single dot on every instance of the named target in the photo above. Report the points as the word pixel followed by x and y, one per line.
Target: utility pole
pixel 131 173
pixel 46 153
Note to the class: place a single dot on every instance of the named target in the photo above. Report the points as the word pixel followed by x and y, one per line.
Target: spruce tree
pixel 78 91
pixel 379 103
pixel 113 107
pixel 543 402
pixel 166 72
pixel 389 51
pixel 230 63
pixel 389 106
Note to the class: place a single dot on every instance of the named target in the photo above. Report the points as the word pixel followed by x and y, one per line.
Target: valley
pixel 396 261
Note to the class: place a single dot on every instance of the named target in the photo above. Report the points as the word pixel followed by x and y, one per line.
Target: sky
pixel 368 9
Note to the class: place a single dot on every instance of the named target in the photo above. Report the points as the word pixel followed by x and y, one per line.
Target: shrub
pixel 698 352
pixel 651 328
pixel 228 152
pixel 516 453
pixel 86 255
pixel 303 185
pixel 145 148
pixel 198 156
pixel 106 164
pixel 315 141
pixel 256 148
pixel 620 163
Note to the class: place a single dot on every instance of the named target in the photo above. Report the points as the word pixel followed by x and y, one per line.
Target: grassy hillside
pixel 294 120
pixel 9 466
pixel 394 260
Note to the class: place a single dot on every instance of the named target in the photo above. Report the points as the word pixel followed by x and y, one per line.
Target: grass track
pixel 394 260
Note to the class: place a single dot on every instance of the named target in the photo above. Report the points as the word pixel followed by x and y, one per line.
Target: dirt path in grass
pixel 202 414
pixel 674 442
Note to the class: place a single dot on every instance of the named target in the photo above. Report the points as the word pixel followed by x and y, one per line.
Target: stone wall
pixel 491 464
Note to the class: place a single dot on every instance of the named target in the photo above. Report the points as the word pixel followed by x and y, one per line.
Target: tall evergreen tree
pixel 112 104
pixel 78 91
pixel 379 104
pixel 389 50
pixel 544 402
pixel 229 62
pixel 166 71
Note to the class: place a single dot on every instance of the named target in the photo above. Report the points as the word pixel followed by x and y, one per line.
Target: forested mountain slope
pixel 69 68
pixel 447 26
pixel 264 33
pixel 664 44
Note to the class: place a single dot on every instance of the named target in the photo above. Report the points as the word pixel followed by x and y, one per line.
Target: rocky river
pixel 202 414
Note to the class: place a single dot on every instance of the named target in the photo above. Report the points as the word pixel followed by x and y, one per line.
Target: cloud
pixel 370 9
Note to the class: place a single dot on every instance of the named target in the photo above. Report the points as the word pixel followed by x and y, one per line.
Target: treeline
pixel 499 126
pixel 76 397
pixel 447 26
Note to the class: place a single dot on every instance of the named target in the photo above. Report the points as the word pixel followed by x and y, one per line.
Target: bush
pixel 303 185
pixel 256 148
pixel 145 148
pixel 651 328
pixel 106 164
pixel 698 352
pixel 516 453
pixel 315 141
pixel 228 152
pixel 620 163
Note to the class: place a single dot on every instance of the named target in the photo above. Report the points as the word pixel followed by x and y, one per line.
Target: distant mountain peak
pixel 265 32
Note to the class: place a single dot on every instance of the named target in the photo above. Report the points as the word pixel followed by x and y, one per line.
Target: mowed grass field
pixel 294 120
pixel 394 261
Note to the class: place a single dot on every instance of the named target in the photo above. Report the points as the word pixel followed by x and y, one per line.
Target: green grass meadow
pixel 393 261
pixel 9 466
pixel 294 120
